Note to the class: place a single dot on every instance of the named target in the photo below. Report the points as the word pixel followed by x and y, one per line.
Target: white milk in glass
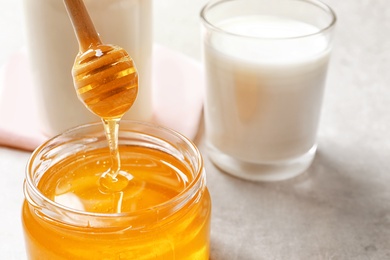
pixel 264 91
pixel 52 47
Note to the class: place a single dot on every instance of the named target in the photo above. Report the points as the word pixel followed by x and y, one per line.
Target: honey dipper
pixel 104 75
pixel 106 81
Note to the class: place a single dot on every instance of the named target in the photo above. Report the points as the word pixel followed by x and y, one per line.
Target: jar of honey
pixel 52 47
pixel 163 212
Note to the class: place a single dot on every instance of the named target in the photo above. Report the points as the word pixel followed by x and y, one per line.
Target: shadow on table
pixel 336 209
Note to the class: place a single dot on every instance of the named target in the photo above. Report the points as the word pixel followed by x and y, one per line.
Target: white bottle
pixel 52 48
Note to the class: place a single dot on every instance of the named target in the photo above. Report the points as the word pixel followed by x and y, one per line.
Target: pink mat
pixel 178 90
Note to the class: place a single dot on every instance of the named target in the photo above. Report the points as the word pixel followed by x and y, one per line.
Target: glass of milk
pixel 265 69
pixel 52 47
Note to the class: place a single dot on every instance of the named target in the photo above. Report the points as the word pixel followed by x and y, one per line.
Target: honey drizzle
pixel 106 82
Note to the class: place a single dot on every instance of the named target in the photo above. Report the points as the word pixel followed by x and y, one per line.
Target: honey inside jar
pixel 164 211
pixel 156 178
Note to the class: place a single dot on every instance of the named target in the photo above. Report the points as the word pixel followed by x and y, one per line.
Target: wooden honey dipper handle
pixel 82 24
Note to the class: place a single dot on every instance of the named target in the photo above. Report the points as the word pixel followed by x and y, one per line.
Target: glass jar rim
pixel 326 8
pixel 38 200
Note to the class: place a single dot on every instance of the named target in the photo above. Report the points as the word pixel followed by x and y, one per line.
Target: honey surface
pixel 154 178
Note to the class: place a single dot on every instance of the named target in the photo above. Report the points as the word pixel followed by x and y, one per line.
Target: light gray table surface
pixel 338 209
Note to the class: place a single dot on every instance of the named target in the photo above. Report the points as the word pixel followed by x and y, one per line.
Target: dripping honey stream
pixel 106 82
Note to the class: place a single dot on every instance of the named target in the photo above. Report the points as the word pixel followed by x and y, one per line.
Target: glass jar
pixel 52 48
pixel 177 228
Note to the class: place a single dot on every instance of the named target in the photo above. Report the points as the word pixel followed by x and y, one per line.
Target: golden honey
pixel 162 213
pixel 106 80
